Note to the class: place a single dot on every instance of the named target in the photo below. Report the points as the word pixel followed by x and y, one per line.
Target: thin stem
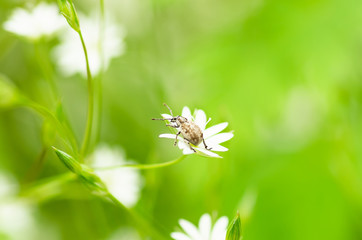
pixel 60 127
pixel 46 68
pixel 48 188
pixel 36 166
pixel 146 166
pixel 88 131
pixel 101 73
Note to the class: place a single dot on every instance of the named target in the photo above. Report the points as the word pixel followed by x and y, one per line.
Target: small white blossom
pixel 69 54
pixel 123 183
pixel 212 135
pixel 205 231
pixel 43 20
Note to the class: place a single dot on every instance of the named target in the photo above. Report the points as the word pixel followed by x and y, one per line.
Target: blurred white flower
pixel 43 20
pixel 247 203
pixel 205 231
pixel 8 185
pixel 125 233
pixel 301 118
pixel 16 220
pixel 302 114
pixel 19 219
pixel 69 54
pixel 123 183
pixel 212 135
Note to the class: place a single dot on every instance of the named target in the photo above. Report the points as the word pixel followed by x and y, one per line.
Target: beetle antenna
pixel 168 108
pixel 162 119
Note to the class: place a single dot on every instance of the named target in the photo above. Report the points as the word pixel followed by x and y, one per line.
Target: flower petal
pixel 185 148
pixel 187 113
pixel 219 229
pixel 167 135
pixel 218 138
pixel 165 115
pixel 189 229
pixel 200 119
pixel 207 153
pixel 179 236
pixel 215 129
pixel 219 148
pixel 205 226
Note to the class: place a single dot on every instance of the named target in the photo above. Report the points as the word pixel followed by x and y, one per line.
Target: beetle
pixel 189 130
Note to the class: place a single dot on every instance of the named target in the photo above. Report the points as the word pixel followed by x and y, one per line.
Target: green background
pixel 286 75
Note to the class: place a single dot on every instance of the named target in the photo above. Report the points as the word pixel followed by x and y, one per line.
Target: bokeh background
pixel 287 77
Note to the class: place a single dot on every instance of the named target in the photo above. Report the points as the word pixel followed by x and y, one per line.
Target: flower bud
pixel 84 173
pixel 234 229
pixel 67 9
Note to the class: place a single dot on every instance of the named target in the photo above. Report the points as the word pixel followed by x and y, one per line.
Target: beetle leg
pixel 176 138
pixel 188 142
pixel 206 147
pixel 171 125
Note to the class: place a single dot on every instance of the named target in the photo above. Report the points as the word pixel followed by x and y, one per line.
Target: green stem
pixel 88 131
pixel 146 166
pixel 42 54
pixel 101 73
pixel 36 166
pixel 46 68
pixel 47 188
pixel 48 115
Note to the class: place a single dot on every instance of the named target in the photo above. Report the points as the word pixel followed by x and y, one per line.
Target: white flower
pixel 123 183
pixel 69 54
pixel 212 135
pixel 43 20
pixel 205 230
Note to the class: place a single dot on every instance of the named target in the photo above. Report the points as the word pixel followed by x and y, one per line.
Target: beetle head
pixel 179 120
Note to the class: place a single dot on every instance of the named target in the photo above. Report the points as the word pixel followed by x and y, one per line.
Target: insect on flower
pixel 189 130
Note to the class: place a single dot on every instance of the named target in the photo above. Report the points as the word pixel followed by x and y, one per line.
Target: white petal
pixel 186 113
pixel 165 115
pixel 219 148
pixel 208 153
pixel 219 229
pixel 190 229
pixel 200 119
pixel 208 121
pixel 218 138
pixel 215 129
pixel 205 226
pixel 179 236
pixel 185 148
pixel 167 135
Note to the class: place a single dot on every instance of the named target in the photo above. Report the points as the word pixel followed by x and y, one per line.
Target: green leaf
pixel 67 9
pixel 234 229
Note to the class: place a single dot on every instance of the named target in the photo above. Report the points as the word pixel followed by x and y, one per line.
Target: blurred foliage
pixel 286 75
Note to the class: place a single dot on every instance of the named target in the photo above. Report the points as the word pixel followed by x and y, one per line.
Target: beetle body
pixel 189 130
